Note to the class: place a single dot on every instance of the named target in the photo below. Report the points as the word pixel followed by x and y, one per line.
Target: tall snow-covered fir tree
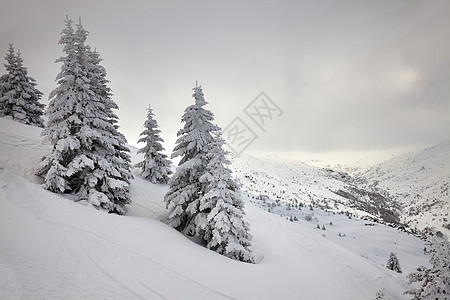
pixel 435 281
pixel 155 166
pixel 192 146
pixel 220 221
pixel 19 97
pixel 203 199
pixel 89 156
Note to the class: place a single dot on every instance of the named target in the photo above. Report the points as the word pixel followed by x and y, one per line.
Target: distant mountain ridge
pixel 410 189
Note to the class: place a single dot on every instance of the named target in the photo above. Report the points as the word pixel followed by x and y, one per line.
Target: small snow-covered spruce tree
pixel 155 166
pixel 89 156
pixel 434 281
pixel 380 295
pixel 220 221
pixel 393 263
pixel 19 97
pixel 192 146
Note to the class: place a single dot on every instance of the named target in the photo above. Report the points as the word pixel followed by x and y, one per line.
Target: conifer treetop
pixel 19 97
pixel 194 137
pixel 155 166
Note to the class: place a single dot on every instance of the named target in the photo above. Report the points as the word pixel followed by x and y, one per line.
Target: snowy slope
pixel 295 182
pixel 411 189
pixel 54 248
pixel 283 179
pixel 420 182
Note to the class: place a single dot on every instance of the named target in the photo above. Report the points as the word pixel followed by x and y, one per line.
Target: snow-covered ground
pixel 54 248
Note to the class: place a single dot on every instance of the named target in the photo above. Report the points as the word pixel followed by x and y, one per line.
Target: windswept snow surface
pixel 54 248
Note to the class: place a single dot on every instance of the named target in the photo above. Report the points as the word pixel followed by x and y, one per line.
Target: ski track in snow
pixel 54 248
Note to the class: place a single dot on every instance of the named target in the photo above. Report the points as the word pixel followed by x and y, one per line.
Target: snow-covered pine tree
pixel 107 147
pixel 62 122
pixel 393 263
pixel 434 281
pixel 155 166
pixel 192 147
pixel 7 101
pixel 19 97
pixel 121 159
pixel 220 220
pixel 89 156
pixel 380 295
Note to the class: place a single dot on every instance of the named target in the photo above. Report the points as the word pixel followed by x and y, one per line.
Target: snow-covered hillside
pixel 411 189
pixel 419 181
pixel 54 248
pixel 296 183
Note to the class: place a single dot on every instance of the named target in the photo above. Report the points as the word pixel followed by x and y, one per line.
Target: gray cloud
pixel 354 75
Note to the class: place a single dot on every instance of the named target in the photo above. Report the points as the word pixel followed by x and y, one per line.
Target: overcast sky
pixel 347 75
